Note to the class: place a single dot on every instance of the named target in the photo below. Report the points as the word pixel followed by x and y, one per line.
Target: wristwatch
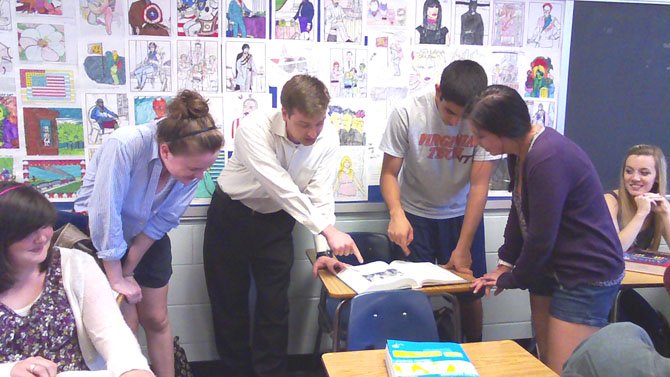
pixel 326 253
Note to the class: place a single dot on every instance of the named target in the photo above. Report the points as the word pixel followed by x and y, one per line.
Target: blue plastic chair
pixel 400 314
pixel 373 247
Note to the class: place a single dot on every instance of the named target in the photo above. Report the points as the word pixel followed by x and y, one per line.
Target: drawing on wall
pixel 540 78
pixel 245 66
pixel 149 109
pixel 41 43
pixel 238 107
pixel 348 72
pixel 294 20
pixel 350 178
pixel 53 131
pixel 49 85
pixel 426 67
pixel 198 18
pixel 197 66
pixel 9 121
pixel 342 21
pixel 104 113
pixel 289 58
pixel 470 24
pixel 505 69
pixel 59 180
pixel 542 113
pixel 149 17
pixel 7 169
pixel 386 13
pixel 49 7
pixel 508 24
pixel 544 25
pixel 432 17
pixel 245 22
pixel 150 66
pixel 101 17
pixel 5 15
pixel 6 60
pixel 349 121
pixel 102 63
pixel 389 62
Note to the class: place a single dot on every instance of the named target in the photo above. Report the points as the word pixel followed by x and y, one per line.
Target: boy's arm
pixel 461 256
pixel 400 231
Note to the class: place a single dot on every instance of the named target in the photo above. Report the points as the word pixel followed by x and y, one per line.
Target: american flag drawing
pixel 47 85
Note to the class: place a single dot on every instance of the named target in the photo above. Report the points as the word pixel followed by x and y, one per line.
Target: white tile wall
pixel 505 317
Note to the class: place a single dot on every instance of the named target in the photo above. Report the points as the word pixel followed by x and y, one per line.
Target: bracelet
pixel 129 275
pixel 326 253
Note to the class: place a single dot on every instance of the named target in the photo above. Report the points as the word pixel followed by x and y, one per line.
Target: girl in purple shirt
pixel 560 242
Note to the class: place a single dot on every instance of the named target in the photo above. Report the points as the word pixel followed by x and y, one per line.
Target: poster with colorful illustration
pixel 349 72
pixel 505 70
pixel 350 184
pixel 39 8
pixel 540 79
pixel 198 65
pixel 150 64
pixel 508 19
pixel 45 43
pixel 342 21
pixel 53 131
pixel 102 17
pixel 198 18
pixel 47 85
pixel 245 66
pixel 238 106
pixel 295 19
pixel 542 113
pixel 387 13
pixel 103 63
pixel 7 169
pixel 246 19
pixel 58 180
pixel 388 65
pixel 151 108
pixel 150 17
pixel 433 22
pixel 544 24
pixel 104 112
pixel 348 119
pixel 472 22
pixel 9 121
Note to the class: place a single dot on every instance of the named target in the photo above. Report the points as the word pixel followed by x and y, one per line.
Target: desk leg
pixel 336 325
pixel 614 312
pixel 450 298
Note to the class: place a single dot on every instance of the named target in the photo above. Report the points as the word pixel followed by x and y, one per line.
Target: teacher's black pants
pixel 240 244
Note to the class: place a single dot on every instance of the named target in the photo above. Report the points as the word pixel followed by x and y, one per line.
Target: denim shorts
pixel 584 304
pixel 155 268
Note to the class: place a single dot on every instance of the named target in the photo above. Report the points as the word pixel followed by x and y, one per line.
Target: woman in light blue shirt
pixel 135 190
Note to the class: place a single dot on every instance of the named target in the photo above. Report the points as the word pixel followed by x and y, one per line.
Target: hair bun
pixel 188 105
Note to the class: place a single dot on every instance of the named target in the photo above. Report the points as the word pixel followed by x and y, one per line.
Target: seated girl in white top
pixel 57 310
pixel 639 209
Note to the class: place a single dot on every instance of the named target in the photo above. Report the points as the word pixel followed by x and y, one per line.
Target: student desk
pixel 499 358
pixel 337 289
pixel 632 280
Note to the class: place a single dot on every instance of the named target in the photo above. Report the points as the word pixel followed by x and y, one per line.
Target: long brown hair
pixel 627 206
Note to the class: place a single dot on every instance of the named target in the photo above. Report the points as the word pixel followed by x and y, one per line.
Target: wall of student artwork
pixel 71 72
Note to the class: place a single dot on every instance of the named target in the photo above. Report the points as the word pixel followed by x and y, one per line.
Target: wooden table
pixel 337 289
pixel 499 358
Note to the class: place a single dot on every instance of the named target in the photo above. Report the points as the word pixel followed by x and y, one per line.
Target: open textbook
pixel 382 276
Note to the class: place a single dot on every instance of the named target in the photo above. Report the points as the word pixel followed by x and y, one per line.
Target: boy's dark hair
pixel 23 210
pixel 461 81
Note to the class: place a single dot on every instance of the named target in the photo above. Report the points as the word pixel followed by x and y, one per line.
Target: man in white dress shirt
pixel 283 170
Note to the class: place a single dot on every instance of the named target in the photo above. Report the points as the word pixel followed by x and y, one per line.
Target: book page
pixel 426 273
pixel 375 276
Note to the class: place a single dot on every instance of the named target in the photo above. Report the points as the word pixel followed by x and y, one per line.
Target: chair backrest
pixel 378 316
pixel 373 247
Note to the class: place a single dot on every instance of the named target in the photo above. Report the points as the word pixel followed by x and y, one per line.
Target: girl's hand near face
pixel 659 204
pixel 643 203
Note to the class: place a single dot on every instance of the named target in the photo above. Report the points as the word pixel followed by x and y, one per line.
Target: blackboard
pixel 618 91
